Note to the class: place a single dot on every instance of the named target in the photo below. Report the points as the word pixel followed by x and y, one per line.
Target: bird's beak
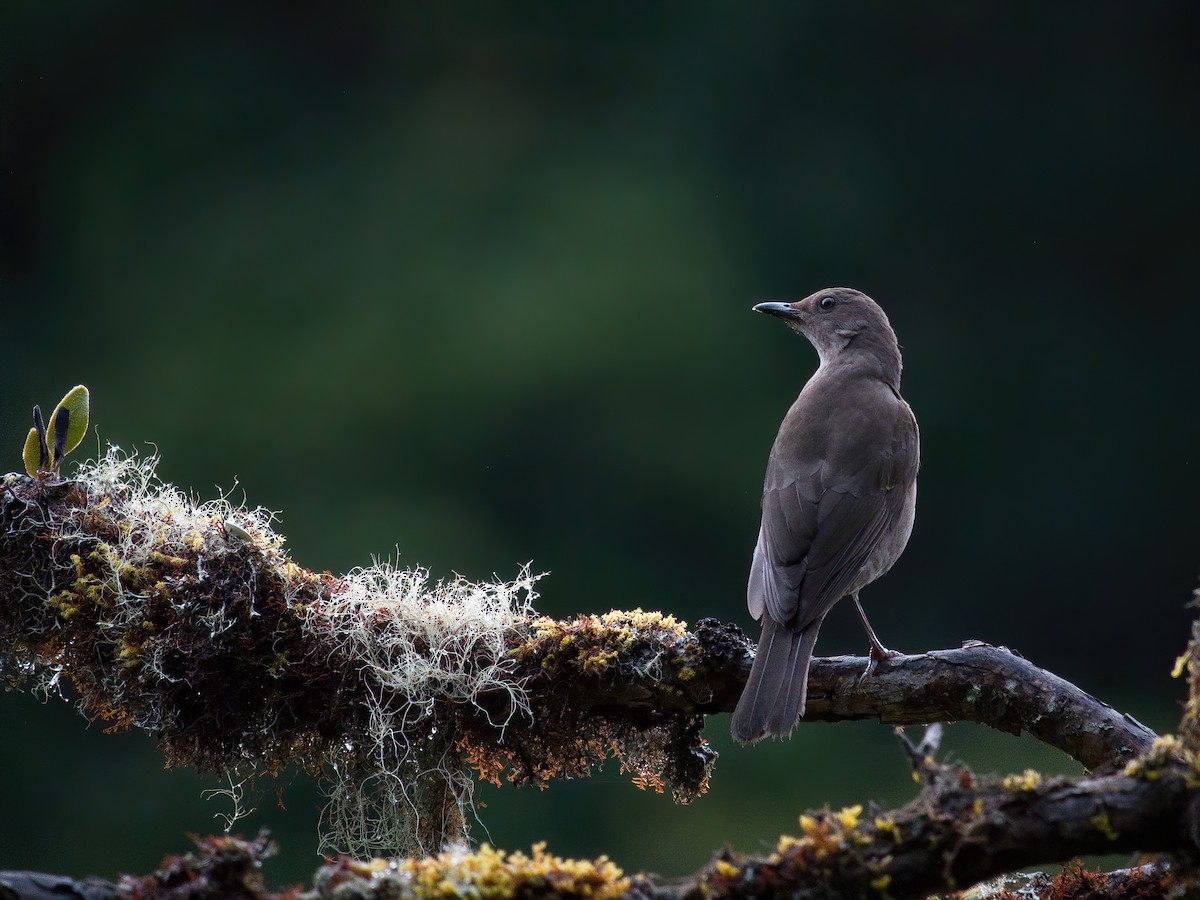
pixel 775 308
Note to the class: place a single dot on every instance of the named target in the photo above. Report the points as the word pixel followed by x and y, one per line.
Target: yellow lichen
pixel 595 663
pixel 727 869
pixel 1101 823
pixel 65 604
pixel 1165 749
pixel 490 874
pixel 848 817
pixel 1166 745
pixel 823 835
pixel 368 867
pixel 887 825
pixel 1028 780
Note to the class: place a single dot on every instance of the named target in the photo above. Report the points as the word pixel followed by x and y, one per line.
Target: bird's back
pixel 838 498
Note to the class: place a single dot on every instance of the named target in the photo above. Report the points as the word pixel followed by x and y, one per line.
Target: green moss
pixel 1101 823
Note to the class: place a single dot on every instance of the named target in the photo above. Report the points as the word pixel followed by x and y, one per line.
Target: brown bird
pixel 838 502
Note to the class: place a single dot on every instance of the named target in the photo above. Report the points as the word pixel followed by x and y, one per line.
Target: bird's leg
pixel 878 651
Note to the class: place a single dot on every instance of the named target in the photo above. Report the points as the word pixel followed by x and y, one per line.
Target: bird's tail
pixel 773 699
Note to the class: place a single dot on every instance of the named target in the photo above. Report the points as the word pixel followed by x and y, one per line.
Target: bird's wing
pixel 821 526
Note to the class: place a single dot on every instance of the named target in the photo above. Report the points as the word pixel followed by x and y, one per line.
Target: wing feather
pixel 820 528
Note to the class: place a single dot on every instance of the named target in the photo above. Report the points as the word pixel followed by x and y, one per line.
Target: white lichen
pixel 417 644
pixel 161 518
pixel 416 647
pixel 157 519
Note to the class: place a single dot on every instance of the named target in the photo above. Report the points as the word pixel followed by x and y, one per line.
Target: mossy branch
pixel 959 831
pixel 188 620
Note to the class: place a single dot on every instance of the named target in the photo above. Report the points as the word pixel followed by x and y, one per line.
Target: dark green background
pixel 476 284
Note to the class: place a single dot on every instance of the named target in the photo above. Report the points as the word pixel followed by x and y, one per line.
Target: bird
pixel 838 502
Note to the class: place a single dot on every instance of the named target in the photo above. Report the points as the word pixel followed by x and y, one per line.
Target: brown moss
pixel 223 866
pixel 186 641
pixel 1075 882
pixel 584 675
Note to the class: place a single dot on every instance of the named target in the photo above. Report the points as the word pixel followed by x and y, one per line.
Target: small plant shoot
pixel 45 447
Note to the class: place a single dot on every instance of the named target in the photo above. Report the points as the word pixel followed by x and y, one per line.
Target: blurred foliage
pixel 474 284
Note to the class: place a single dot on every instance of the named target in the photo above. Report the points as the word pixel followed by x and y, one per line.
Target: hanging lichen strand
pixel 189 620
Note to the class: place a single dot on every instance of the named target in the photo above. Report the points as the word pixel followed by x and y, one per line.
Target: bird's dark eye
pixel 827 303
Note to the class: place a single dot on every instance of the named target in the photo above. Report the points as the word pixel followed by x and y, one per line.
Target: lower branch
pixel 962 830
pixel 959 831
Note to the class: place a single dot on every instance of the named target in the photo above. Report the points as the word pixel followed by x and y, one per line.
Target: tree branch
pixel 960 830
pixel 979 683
pixel 191 622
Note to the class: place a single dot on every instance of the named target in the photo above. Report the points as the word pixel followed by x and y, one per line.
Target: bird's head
pixel 836 319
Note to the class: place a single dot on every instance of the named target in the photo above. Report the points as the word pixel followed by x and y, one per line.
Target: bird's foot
pixel 878 654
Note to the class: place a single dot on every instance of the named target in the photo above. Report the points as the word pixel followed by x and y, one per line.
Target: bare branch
pixel 979 683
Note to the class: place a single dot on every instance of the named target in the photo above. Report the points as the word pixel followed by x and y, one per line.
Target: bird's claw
pixel 877 655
